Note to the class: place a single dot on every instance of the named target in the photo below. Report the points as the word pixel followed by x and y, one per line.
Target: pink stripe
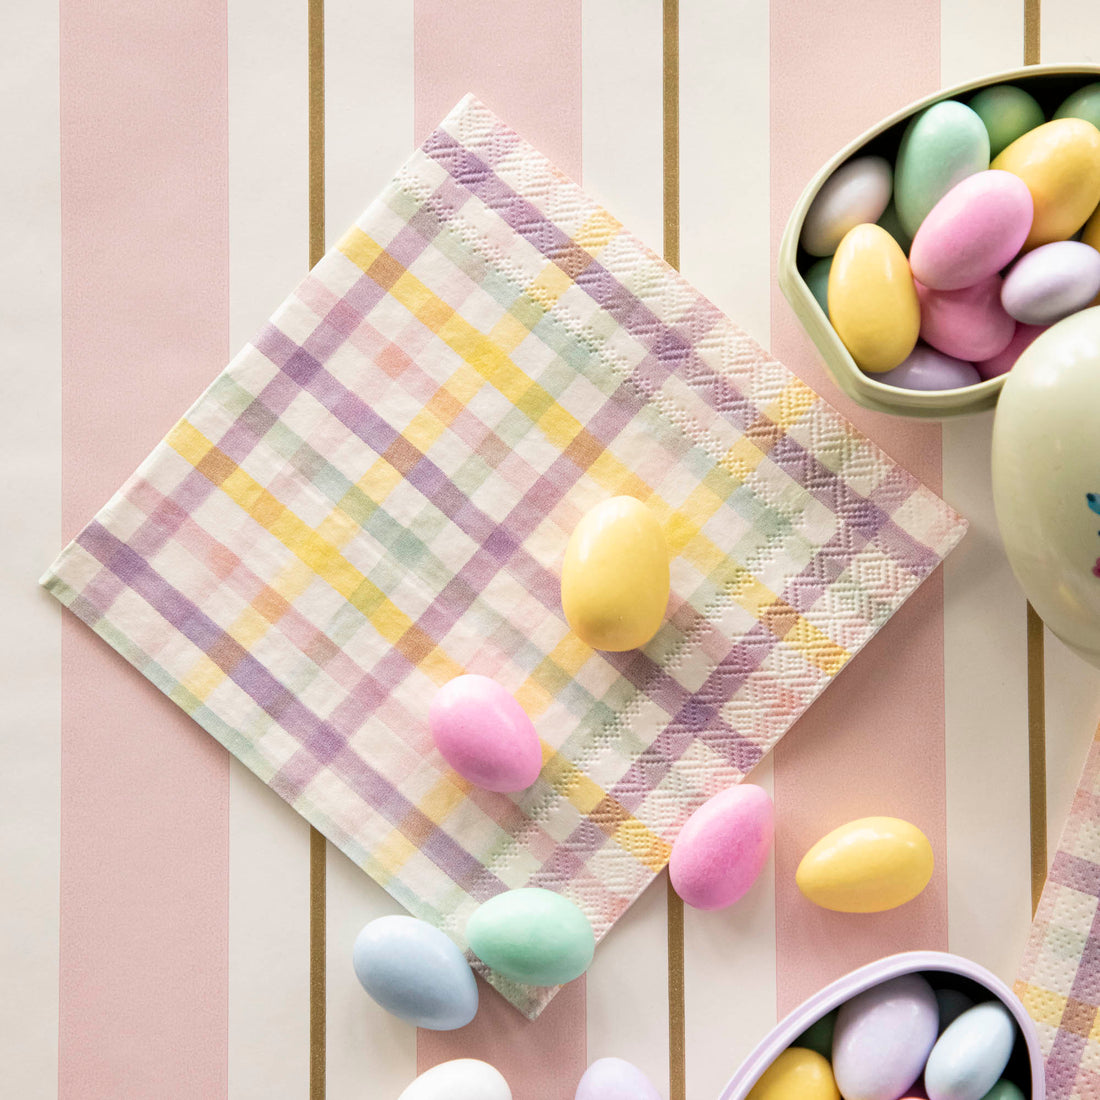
pixel 144 813
pixel 524 62
pixel 541 1059
pixel 874 742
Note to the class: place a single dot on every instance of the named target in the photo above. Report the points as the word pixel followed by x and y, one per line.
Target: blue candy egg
pixel 970 1056
pixel 415 971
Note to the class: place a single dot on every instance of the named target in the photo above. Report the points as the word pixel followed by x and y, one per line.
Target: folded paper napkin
pixel 376 494
pixel 1059 979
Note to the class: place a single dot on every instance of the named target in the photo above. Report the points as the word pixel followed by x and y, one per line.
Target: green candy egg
pixel 819 1036
pixel 941 146
pixel 532 936
pixel 1008 112
pixel 1004 1090
pixel 817 279
pixel 892 224
pixel 1083 103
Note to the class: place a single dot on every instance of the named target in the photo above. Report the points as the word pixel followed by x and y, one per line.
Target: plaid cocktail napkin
pixel 1059 979
pixel 376 494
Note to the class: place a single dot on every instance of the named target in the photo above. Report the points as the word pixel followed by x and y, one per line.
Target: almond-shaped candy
pixel 972 232
pixel 856 192
pixel 615 1079
pixel 484 734
pixel 722 847
pixel 460 1079
pixel 872 302
pixel 1004 361
pixel 968 324
pixel 927 369
pixel 1051 282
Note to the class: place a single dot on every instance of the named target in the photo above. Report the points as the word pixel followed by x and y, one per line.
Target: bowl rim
pixel 861 387
pixel 865 977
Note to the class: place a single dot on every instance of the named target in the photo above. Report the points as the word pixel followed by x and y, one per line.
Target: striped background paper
pixel 374 498
pixel 173 932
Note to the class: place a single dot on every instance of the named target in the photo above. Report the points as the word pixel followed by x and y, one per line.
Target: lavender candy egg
pixel 968 324
pixel 1052 282
pixel 615 1079
pixel 883 1037
pixel 856 192
pixel 970 1056
pixel 973 231
pixel 722 847
pixel 484 734
pixel 928 369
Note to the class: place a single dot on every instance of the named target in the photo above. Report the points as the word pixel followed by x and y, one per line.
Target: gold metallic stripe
pixel 1032 13
pixel 317 846
pixel 1037 753
pixel 677 1060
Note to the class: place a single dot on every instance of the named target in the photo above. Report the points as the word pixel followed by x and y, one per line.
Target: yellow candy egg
pixel 872 300
pixel 1060 163
pixel 615 577
pixel 797 1074
pixel 867 866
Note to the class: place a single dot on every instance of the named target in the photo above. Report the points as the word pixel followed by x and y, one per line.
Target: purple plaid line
pixel 321 738
pixel 666 344
pixel 1076 873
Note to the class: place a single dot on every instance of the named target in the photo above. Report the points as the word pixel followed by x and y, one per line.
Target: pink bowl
pixel 1025 1066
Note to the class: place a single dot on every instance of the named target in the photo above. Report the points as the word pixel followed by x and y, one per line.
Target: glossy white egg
pixel 462 1079
pixel 1046 478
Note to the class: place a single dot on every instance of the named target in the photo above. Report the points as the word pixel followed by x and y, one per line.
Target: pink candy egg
pixel 927 369
pixel 1052 282
pixel 973 231
pixel 968 324
pixel 484 734
pixel 722 847
pixel 1002 362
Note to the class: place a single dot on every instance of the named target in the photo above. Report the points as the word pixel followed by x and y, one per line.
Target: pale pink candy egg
pixel 1003 361
pixel 973 231
pixel 484 734
pixel 968 324
pixel 722 847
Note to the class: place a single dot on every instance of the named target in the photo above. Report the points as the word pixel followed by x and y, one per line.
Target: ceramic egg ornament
pixel 883 1038
pixel 416 972
pixel 872 301
pixel 1046 478
pixel 484 734
pixel 1051 282
pixel 461 1079
pixel 532 936
pixel 970 1056
pixel 856 192
pixel 867 866
pixel 722 848
pixel 944 144
pixel 615 578
pixel 615 1079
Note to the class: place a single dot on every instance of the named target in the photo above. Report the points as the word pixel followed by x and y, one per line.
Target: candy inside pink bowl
pixel 943 972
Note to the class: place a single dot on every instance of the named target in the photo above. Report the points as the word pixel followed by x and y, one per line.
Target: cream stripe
pixel 725 150
pixel 622 157
pixel 369 132
pixel 30 424
pixel 268 841
pixel 985 652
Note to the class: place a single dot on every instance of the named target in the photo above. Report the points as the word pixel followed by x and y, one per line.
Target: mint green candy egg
pixel 1008 113
pixel 941 146
pixel 532 936
pixel 1083 103
pixel 817 279
pixel 1004 1090
pixel 892 224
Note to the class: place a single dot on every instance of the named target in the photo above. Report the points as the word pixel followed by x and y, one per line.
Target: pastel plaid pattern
pixel 1059 979
pixel 376 494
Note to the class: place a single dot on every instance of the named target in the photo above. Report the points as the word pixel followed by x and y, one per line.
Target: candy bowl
pixel 951 976
pixel 801 273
